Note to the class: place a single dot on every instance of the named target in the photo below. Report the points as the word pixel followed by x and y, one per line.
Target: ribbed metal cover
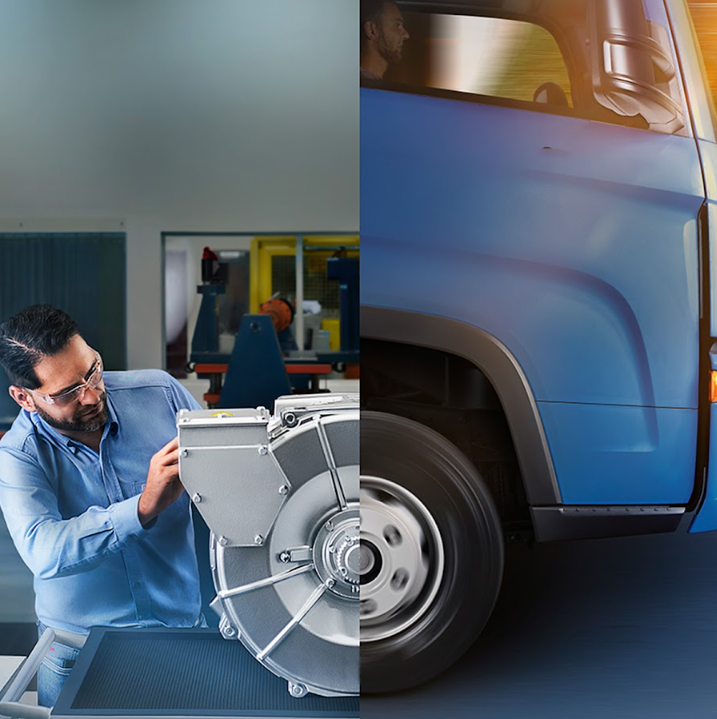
pixel 183 672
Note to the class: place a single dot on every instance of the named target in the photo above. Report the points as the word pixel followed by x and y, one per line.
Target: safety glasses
pixel 63 399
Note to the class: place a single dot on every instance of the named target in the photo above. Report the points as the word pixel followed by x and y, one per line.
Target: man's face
pixel 391 34
pixel 62 372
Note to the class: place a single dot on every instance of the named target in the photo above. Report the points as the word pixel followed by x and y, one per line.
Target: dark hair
pixel 371 10
pixel 31 335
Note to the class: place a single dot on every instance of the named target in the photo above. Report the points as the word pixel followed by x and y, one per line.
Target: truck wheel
pixel 431 559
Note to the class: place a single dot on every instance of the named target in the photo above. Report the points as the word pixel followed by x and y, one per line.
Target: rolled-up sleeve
pixel 50 545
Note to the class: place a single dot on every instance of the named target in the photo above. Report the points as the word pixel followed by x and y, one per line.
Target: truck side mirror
pixel 633 70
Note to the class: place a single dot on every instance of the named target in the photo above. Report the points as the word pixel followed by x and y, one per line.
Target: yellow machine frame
pixel 263 249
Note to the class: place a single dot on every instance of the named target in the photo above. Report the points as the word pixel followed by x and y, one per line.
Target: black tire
pixel 415 475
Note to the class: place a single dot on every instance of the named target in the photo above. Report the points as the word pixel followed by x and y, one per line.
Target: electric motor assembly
pixel 280 494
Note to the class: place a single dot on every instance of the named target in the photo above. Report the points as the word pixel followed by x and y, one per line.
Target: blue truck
pixel 539 303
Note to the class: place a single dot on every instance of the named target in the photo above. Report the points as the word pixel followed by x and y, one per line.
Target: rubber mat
pixel 182 672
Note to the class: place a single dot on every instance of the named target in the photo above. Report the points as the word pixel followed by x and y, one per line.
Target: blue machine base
pixel 181 673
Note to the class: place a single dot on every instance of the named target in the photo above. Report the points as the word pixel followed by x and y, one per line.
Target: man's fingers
pixel 171 458
pixel 169 454
pixel 170 470
pixel 170 446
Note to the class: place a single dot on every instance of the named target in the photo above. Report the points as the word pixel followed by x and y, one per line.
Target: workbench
pixel 187 673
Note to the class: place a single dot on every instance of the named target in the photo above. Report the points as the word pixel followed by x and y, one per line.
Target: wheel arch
pixel 501 369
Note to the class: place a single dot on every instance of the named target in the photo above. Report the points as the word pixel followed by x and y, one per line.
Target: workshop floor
pixel 625 628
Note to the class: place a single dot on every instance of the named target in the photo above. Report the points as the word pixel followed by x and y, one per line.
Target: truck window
pixel 704 15
pixel 503 58
pixel 568 57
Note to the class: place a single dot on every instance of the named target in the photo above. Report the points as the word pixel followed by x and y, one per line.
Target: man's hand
pixel 163 485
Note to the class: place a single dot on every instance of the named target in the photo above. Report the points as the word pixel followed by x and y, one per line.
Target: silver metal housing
pixel 280 494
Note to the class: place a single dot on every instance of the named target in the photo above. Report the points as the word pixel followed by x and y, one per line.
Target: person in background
pixel 382 37
pixel 90 492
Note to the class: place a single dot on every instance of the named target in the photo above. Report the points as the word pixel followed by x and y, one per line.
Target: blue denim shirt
pixel 72 514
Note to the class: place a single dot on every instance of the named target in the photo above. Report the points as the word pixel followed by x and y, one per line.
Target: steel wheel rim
pixel 402 559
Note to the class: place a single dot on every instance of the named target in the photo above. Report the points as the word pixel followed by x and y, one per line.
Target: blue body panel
pixel 572 242
pixel 628 453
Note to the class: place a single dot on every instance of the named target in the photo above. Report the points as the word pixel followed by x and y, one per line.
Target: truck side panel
pixel 572 242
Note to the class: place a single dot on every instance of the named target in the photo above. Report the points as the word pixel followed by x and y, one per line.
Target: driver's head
pixel 382 33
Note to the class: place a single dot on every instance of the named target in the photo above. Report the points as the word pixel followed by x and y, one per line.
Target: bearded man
pixel 382 37
pixel 90 492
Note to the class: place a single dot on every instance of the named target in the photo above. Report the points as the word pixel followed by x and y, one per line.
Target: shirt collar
pixel 112 427
pixel 113 422
pixel 46 429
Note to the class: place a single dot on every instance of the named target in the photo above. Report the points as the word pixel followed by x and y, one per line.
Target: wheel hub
pixel 336 553
pixel 370 561
pixel 400 558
